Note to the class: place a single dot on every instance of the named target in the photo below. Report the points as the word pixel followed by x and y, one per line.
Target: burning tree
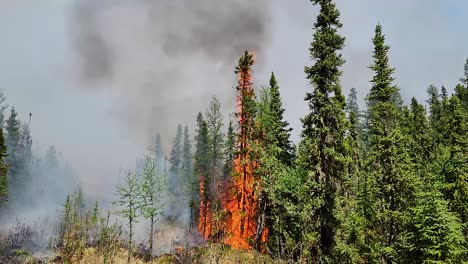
pixel 241 199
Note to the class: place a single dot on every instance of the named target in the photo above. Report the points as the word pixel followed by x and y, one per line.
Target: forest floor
pixel 214 253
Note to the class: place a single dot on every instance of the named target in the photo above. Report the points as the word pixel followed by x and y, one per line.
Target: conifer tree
pixel 187 164
pixel 201 193
pixel 51 158
pixel 453 156
pixel 229 151
pixel 214 121
pixel 421 142
pixel 159 154
pixel 279 128
pixel 3 107
pixel 323 148
pixel 13 135
pixel 464 80
pixel 3 170
pixel 388 161
pixel 175 160
pixel 273 151
pixel 432 233
pixel 435 113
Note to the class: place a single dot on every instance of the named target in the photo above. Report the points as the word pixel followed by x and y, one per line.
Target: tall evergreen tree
pixel 175 160
pixel 388 161
pixel 421 142
pixel 13 135
pixel 464 80
pixel 273 151
pixel 159 154
pixel 201 193
pixel 187 164
pixel 51 158
pixel 280 131
pixel 454 158
pixel 352 103
pixel 323 148
pixel 3 170
pixel 214 121
pixel 229 151
pixel 3 107
pixel 435 113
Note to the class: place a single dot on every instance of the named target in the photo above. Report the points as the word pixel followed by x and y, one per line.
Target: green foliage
pixel 432 233
pixel 229 151
pixel 175 160
pixel 453 156
pixel 390 178
pixel 214 122
pixel 12 134
pixel 187 163
pixel 151 190
pixel 464 80
pixel 129 194
pixel 201 167
pixel 323 154
pixel 3 170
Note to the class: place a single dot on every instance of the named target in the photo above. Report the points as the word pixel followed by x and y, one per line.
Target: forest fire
pixel 205 217
pixel 239 198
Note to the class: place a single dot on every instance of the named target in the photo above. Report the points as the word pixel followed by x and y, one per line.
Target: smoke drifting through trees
pixel 154 62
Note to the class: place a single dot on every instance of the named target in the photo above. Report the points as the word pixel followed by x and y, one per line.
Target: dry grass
pixel 212 254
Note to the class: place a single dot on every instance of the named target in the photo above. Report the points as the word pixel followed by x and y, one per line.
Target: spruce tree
pixel 3 107
pixel 13 135
pixel 454 158
pixel 433 234
pixel 435 113
pixel 421 142
pixel 159 154
pixel 279 129
pixel 214 121
pixel 464 80
pixel 175 160
pixel 3 170
pixel 323 148
pixel 229 151
pixel 388 162
pixel 273 152
pixel 201 182
pixel 187 164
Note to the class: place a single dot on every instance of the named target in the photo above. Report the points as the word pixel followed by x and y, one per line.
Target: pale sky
pixel 428 39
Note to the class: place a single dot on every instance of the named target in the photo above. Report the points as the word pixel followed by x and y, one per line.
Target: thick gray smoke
pixel 162 60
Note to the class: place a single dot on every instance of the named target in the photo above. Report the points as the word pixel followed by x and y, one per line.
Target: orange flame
pixel 240 193
pixel 205 217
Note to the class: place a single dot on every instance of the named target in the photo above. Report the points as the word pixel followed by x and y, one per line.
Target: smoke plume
pixel 162 60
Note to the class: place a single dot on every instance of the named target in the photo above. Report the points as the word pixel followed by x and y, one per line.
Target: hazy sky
pixel 428 38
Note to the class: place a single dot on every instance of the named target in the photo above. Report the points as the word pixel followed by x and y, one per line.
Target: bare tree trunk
pixel 151 235
pixel 130 238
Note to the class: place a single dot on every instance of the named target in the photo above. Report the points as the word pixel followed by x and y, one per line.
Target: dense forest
pixel 387 183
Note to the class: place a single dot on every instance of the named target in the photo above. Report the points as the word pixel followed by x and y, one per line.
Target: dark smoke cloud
pixel 161 59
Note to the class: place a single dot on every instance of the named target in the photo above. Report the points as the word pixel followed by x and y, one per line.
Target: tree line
pixel 385 184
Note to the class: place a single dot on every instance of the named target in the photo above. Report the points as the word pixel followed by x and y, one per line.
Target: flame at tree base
pixel 240 193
